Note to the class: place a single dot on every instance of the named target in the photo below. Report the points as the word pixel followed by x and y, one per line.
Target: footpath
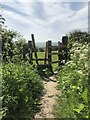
pixel 49 98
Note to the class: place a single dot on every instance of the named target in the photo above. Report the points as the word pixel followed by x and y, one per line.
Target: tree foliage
pixel 10 48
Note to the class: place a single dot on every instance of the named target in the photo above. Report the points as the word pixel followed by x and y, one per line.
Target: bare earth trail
pixel 48 98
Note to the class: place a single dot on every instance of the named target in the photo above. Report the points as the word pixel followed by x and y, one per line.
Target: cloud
pixel 14 10
pixel 44 1
pixel 47 20
pixel 38 10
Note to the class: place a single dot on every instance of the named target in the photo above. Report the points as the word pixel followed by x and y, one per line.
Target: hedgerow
pixel 73 102
pixel 21 84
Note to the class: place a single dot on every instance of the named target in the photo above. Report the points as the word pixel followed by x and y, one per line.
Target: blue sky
pixel 48 20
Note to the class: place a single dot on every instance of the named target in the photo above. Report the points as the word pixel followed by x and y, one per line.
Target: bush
pixel 21 89
pixel 73 81
pixel 78 36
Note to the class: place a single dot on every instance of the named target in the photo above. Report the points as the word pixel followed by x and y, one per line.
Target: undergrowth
pixel 73 102
pixel 21 90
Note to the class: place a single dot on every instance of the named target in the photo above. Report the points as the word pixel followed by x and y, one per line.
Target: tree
pixel 9 46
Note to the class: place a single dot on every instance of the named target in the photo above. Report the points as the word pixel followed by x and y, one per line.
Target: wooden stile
pixel 61 53
pixel 30 48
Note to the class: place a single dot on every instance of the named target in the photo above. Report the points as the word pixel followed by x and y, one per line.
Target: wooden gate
pixel 62 52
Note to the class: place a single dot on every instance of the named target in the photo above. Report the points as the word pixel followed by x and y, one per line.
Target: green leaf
pixel 85 95
pixel 80 108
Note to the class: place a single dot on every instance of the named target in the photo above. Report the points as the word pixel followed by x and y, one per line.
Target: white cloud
pixel 44 1
pixel 46 20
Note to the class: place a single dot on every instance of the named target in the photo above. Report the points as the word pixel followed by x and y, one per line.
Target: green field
pixel 42 55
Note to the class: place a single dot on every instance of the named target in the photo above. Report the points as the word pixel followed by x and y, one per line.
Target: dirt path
pixel 48 98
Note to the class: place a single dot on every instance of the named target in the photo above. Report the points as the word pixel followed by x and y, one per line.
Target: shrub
pixel 21 89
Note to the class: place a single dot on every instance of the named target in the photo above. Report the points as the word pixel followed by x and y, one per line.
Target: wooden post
pixel 30 52
pixel 65 42
pixel 59 56
pixel 49 46
pixel 49 52
pixel 34 48
pixel 25 51
pixel 46 52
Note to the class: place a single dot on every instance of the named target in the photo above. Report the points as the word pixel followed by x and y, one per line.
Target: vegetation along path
pixel 49 98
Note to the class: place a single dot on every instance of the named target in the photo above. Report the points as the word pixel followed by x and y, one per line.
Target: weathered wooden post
pixel 46 53
pixel 30 52
pixel 49 46
pixel 59 53
pixel 49 52
pixel 65 42
pixel 34 48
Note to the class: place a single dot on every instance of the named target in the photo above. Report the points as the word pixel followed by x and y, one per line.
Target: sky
pixel 46 19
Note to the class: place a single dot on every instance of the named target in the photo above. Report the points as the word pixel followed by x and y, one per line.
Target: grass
pixel 42 55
